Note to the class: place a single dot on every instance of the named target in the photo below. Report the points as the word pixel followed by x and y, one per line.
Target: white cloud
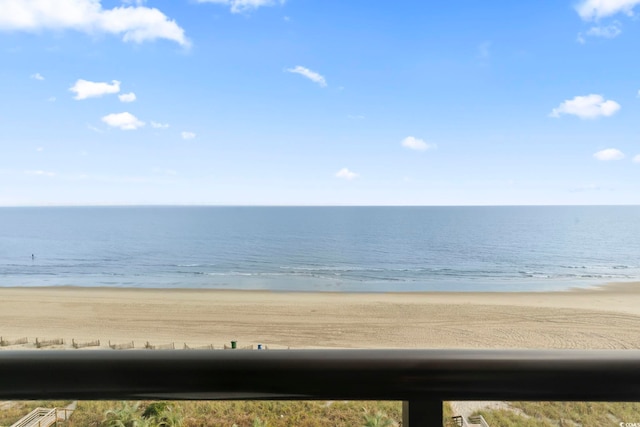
pixel 127 97
pixel 134 23
pixel 608 31
pixel 587 107
pixel 595 9
pixel 51 99
pixel 37 76
pixel 345 173
pixel 124 121
pixel 609 154
pixel 40 149
pixel 85 89
pixel 636 158
pixel 157 125
pixel 188 135
pixel 311 75
pixel 40 173
pixel 356 116
pixel 413 143
pixel 239 6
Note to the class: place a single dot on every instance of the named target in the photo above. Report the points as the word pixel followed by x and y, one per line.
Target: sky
pixel 319 102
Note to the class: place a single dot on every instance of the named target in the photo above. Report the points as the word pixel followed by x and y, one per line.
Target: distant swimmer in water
pixel 33 256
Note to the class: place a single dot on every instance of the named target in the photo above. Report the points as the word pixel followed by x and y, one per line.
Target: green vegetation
pixel 230 413
pixel 379 419
pixel 564 414
pixel 222 413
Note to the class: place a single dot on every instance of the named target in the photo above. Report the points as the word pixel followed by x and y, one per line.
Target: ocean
pixel 349 249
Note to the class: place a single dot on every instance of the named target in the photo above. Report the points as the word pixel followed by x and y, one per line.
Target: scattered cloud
pixel 414 143
pixel 40 149
pixel 609 154
pixel 636 158
pixel 37 76
pixel 40 173
pixel 85 89
pixel 157 125
pixel 239 6
pixel 345 173
pixel 311 75
pixel 590 10
pixel 124 121
pixel 134 23
pixel 188 135
pixel 587 107
pixel 127 97
pixel 356 116
pixel 606 31
pixel 51 99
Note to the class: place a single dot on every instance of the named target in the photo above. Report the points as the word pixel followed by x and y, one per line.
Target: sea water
pixel 354 249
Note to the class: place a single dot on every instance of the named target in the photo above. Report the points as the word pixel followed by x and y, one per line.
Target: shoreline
pixel 606 316
pixel 627 286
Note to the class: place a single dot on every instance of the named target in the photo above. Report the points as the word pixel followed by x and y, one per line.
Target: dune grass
pixel 250 413
pixel 233 413
pixel 564 414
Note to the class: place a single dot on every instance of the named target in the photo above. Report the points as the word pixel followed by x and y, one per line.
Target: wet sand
pixel 598 318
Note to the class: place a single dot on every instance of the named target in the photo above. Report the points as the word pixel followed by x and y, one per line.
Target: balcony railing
pixel 423 379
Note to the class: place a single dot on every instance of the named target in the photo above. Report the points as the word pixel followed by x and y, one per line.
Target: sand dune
pixel 600 318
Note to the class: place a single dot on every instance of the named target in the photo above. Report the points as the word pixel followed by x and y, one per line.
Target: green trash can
pixel 234 344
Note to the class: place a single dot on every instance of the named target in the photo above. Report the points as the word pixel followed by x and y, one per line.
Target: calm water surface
pixel 321 248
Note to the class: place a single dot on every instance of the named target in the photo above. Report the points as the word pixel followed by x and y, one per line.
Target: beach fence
pixel 200 347
pixel 5 342
pixel 170 346
pixel 125 346
pixel 77 344
pixel 49 343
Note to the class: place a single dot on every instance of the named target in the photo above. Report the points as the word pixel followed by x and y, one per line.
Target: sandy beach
pixel 598 318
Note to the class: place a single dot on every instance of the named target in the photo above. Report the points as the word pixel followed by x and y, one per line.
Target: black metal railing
pixel 423 379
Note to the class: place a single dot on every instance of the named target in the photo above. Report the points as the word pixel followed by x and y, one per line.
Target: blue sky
pixel 306 102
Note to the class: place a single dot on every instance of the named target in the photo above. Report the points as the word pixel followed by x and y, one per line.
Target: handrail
pixel 478 419
pixel 408 375
pixel 44 417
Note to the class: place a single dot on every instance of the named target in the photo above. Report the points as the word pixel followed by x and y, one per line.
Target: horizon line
pixel 151 205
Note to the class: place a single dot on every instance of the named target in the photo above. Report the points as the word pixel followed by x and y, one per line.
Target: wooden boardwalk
pixel 45 417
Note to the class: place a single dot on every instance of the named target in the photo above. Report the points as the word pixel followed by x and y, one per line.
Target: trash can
pixel 234 344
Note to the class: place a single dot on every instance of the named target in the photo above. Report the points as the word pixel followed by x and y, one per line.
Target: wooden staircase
pixel 44 417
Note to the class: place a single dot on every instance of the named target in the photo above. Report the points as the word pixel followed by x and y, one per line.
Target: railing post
pixel 422 413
